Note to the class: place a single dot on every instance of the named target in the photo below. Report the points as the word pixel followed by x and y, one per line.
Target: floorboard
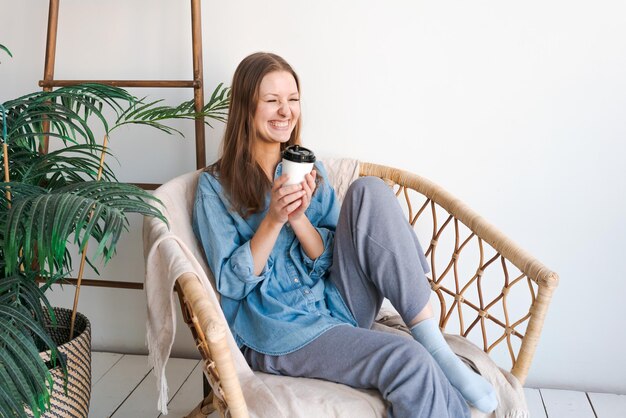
pixel 188 396
pixel 101 363
pixel 117 384
pixel 608 405
pixel 567 404
pixel 535 403
pixel 142 402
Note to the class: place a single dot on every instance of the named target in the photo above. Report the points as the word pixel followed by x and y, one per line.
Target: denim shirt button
pixel 296 280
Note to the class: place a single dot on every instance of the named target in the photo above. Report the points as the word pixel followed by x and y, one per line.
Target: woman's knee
pixel 367 182
pixel 369 187
pixel 374 201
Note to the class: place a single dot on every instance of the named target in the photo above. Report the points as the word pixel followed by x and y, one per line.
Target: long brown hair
pixel 244 181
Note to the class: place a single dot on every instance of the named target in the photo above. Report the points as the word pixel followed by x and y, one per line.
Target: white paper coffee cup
pixel 297 163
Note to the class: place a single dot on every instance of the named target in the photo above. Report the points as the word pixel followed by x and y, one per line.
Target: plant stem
pixel 84 253
pixel 5 152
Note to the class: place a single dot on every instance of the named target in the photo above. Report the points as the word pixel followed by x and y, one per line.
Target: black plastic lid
pixel 298 154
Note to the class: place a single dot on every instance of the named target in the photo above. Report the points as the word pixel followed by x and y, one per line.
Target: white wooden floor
pixel 124 387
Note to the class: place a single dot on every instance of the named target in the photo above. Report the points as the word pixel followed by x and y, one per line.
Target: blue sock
pixel 474 388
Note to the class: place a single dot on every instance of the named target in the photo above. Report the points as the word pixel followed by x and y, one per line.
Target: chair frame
pixel 209 331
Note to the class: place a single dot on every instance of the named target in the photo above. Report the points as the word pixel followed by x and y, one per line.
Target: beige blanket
pixel 174 251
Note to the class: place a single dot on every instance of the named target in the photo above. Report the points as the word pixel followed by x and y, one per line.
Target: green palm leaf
pixel 17 383
pixel 67 109
pixel 40 224
pixel 29 383
pixel 62 108
pixel 58 168
pixel 9 405
pixel 16 344
pixel 5 49
pixel 22 290
pixel 149 114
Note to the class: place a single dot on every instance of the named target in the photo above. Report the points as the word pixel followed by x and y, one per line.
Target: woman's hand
pixel 285 200
pixel 287 203
pixel 308 186
pixel 309 237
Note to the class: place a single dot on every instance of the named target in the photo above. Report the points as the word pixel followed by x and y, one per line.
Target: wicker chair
pixel 496 295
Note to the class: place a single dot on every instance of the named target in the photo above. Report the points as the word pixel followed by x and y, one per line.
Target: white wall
pixel 517 107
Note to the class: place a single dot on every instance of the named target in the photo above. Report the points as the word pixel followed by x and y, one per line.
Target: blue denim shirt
pixel 290 303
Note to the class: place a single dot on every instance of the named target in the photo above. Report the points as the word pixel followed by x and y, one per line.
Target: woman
pixel 301 283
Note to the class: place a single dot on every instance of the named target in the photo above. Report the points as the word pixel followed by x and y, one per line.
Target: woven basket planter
pixel 75 402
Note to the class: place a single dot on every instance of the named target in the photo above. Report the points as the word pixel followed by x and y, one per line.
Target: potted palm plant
pixel 48 202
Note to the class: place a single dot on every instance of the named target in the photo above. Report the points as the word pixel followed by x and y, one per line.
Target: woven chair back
pixel 489 290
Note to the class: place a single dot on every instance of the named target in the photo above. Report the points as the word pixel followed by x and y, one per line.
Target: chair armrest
pixel 210 333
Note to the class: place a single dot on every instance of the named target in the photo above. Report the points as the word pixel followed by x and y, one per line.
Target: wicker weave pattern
pixel 464 288
pixel 74 403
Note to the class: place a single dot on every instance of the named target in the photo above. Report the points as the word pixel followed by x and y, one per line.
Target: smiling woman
pixel 278 108
pixel 257 116
pixel 301 279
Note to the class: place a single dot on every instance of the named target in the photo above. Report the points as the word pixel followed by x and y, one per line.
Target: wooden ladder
pixel 48 82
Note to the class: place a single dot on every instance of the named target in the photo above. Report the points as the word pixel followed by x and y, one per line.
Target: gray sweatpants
pixel 375 257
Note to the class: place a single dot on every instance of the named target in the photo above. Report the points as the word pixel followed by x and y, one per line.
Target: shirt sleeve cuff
pixel 324 261
pixel 242 265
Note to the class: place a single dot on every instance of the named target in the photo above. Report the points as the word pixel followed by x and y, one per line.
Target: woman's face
pixel 278 108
